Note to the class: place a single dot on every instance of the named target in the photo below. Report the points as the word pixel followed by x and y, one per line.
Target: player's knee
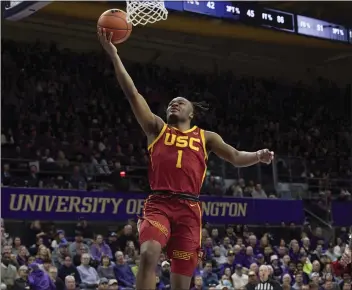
pixel 150 252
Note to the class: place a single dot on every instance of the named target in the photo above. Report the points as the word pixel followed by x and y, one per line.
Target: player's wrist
pixel 258 155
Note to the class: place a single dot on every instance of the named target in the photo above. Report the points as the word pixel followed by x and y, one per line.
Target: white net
pixel 143 12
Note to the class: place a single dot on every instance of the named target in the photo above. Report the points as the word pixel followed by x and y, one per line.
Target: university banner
pixel 47 204
pixel 342 213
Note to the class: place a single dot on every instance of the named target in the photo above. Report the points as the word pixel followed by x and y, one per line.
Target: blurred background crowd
pixel 66 125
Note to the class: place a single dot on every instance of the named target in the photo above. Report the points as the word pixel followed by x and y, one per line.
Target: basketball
pixel 114 20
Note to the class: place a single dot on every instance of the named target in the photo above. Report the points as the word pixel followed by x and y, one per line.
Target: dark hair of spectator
pixel 105 257
pixel 47 261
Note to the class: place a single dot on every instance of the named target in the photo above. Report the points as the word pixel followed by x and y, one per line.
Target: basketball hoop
pixel 144 12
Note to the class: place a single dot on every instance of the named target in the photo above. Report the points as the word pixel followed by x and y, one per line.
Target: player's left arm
pixel 216 144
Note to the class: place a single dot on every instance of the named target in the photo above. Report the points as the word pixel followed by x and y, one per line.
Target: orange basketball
pixel 114 20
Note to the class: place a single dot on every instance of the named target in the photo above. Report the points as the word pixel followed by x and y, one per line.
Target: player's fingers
pixel 111 34
pixel 104 34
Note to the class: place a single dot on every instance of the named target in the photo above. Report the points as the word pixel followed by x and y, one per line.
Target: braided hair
pixel 199 109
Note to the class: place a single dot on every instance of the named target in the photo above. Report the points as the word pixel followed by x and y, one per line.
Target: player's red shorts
pixel 177 224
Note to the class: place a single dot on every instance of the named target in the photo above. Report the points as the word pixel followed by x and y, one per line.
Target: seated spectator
pixel 60 253
pixel 113 285
pixel 89 276
pixel 22 282
pixel 229 263
pixel 198 283
pixel 252 280
pixel 113 243
pixel 46 265
pixel 68 269
pixel 126 236
pixel 106 269
pixel 239 280
pixel 22 256
pixel 59 283
pixel 100 248
pixel 76 247
pixel 8 271
pixel 103 284
pixel 286 281
pixel 43 255
pixel 58 239
pixel 39 279
pixel 209 279
pixel 165 274
pixel 123 272
pixel 131 253
pixel 17 244
pixel 225 283
pixel 298 282
pixel 220 259
pixel 70 283
pixel 83 249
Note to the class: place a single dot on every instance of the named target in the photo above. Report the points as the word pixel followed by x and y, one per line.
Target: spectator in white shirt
pixel 8 271
pixel 239 279
pixel 88 274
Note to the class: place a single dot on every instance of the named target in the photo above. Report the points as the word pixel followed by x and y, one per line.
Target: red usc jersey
pixel 178 160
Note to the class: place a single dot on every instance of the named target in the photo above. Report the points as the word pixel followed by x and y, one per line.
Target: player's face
pixel 179 110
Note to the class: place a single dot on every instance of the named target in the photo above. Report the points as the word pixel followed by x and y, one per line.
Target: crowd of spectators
pixel 234 258
pixel 65 123
pixel 64 112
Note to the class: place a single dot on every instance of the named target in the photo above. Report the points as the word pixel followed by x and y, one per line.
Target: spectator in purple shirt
pixel 249 257
pixel 208 248
pixel 294 251
pixel 260 259
pixel 229 263
pixel 100 248
pixel 254 244
pixel 239 256
pixel 22 256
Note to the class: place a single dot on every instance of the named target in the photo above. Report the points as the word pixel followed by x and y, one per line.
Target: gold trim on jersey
pixel 187 131
pixel 202 136
pixel 199 205
pixel 158 137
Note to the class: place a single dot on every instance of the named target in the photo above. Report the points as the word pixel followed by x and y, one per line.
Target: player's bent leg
pixel 153 236
pixel 182 270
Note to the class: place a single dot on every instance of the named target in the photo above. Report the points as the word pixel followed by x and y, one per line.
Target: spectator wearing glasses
pixel 59 283
pixel 252 280
pixel 68 269
pixel 22 282
pixel 103 284
pixel 89 276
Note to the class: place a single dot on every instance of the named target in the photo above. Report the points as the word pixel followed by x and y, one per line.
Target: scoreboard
pixel 257 15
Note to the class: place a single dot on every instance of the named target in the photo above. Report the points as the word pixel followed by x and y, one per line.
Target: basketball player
pixel 178 156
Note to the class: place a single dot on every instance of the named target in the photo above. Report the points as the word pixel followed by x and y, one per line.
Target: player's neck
pixel 181 126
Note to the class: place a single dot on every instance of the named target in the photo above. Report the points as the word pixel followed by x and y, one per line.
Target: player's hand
pixel 105 41
pixel 265 156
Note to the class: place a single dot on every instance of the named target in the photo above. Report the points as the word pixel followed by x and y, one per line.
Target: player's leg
pixel 154 232
pixel 184 245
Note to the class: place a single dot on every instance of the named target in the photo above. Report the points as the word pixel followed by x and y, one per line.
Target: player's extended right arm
pixel 150 123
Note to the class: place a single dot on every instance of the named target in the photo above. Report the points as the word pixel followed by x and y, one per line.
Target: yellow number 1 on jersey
pixel 179 159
